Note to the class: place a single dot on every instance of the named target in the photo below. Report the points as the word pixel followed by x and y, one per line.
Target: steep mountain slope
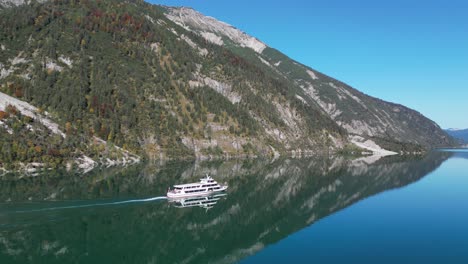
pixel 170 82
pixel 33 141
pixel 359 114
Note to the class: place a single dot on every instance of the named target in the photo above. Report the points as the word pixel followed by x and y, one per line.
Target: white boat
pixel 206 186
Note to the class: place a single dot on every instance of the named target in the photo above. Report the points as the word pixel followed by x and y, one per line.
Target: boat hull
pixel 172 194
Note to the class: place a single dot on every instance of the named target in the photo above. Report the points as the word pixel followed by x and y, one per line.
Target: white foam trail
pixel 142 200
pixel 95 205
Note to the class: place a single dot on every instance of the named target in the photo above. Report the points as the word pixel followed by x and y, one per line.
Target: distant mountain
pixel 170 82
pixel 461 134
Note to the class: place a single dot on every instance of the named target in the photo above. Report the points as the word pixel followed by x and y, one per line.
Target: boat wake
pixel 140 200
pixel 93 205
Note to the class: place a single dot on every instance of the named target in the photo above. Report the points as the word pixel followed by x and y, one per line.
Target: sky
pixel 410 52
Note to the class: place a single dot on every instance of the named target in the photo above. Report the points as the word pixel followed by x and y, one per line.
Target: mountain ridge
pixel 460 134
pixel 164 82
pixel 185 17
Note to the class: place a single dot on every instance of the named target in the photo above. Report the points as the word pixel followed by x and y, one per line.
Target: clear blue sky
pixel 411 52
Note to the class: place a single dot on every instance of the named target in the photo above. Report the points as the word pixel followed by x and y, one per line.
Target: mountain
pixel 352 110
pixel 164 82
pixel 460 134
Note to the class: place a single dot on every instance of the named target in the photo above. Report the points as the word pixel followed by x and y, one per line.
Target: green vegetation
pixel 123 72
pixel 107 69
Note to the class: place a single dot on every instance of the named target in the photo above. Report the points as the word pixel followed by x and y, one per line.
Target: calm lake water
pixel 321 210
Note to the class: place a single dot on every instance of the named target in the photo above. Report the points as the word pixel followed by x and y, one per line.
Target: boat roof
pixel 202 181
pixel 191 184
pixel 188 184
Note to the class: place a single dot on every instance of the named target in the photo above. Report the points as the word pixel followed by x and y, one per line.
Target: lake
pixel 324 210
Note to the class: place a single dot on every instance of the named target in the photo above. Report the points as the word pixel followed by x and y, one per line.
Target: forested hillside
pixel 127 73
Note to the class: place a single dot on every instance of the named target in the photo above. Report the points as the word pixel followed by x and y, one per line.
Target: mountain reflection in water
pixel 266 201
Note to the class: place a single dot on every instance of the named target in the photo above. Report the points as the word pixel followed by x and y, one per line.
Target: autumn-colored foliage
pixel 10 109
pixel 38 149
pixel 54 152
pixel 3 115
pixel 68 128
pixel 19 92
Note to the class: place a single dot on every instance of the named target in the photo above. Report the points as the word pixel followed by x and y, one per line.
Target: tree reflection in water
pixel 266 201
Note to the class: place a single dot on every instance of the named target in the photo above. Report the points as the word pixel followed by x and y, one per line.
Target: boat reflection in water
pixel 206 202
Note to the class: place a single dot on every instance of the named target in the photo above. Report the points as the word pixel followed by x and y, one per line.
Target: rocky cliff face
pixel 362 116
pixel 13 3
pixel 171 82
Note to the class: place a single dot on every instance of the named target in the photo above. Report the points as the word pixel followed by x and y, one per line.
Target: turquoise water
pixel 425 222
pixel 322 210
